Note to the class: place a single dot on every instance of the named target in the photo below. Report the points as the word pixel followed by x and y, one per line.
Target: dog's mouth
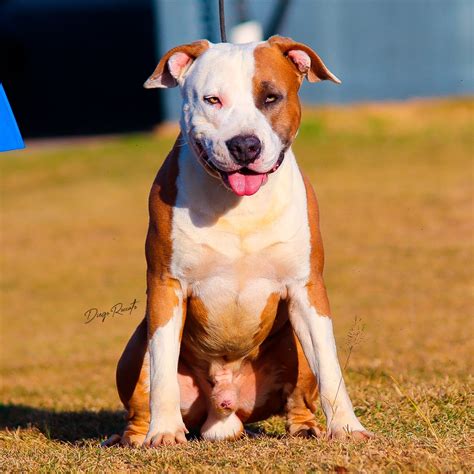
pixel 242 182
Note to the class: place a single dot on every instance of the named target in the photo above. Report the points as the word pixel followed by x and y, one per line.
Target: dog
pixel 237 324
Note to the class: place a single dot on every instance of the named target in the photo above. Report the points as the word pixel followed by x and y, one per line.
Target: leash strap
pixel 222 21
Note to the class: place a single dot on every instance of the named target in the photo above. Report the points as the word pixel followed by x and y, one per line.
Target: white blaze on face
pixel 241 109
pixel 226 71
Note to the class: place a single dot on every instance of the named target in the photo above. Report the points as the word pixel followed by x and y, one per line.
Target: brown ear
pixel 174 63
pixel 304 58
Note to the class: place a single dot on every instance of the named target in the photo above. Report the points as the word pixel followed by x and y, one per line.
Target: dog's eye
pixel 270 98
pixel 212 100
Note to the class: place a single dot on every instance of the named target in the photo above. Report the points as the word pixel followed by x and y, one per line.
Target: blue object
pixel 10 136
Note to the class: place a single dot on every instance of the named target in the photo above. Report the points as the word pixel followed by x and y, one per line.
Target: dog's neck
pixel 206 195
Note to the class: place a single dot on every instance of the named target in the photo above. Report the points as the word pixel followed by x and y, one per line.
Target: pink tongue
pixel 246 184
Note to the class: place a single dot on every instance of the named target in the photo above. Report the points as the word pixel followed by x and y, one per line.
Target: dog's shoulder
pixel 161 202
pixel 164 189
pixel 317 249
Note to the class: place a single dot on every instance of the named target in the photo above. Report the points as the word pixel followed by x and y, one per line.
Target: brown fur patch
pixel 276 75
pixel 283 378
pixel 131 377
pixel 161 76
pixel 317 70
pixel 198 340
pixel 194 332
pixel 301 401
pixel 161 287
pixel 267 319
pixel 316 289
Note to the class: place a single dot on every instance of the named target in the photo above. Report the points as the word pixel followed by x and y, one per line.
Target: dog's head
pixel 241 110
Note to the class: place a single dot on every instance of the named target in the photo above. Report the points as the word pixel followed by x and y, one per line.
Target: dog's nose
pixel 244 148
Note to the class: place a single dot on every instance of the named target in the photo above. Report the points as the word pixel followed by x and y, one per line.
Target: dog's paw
pixel 131 439
pixel 309 429
pixel 165 436
pixel 347 433
pixel 346 426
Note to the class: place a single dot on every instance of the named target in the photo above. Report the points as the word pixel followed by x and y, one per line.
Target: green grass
pixel 394 183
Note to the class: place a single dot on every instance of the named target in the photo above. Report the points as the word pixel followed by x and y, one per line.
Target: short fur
pixel 238 324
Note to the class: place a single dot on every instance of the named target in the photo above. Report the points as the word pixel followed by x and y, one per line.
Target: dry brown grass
pixel 395 188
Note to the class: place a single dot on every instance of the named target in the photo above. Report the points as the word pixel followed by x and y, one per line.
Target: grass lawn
pixel 394 183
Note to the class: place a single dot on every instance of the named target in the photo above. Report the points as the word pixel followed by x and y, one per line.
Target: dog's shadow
pixel 70 426
pixel 77 426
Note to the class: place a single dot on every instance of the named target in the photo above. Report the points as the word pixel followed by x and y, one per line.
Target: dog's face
pixel 240 103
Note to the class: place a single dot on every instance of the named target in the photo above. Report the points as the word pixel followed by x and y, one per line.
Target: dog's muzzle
pixel 244 181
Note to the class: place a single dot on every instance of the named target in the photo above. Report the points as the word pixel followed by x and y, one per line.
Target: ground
pixel 395 188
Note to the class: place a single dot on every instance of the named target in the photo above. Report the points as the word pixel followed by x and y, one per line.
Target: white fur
pixel 237 251
pixel 315 333
pixel 215 429
pixel 164 349
pixel 234 252
pixel 211 225
pixel 226 71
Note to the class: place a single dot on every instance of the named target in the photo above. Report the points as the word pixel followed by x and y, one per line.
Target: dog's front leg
pixel 165 316
pixel 309 316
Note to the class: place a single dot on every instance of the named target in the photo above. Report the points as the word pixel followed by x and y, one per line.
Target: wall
pixel 381 49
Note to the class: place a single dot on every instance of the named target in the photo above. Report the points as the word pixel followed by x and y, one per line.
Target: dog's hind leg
pixel 132 384
pixel 300 390
pixel 134 391
pixel 301 401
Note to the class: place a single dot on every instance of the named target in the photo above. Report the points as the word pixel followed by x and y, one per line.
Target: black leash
pixel 222 21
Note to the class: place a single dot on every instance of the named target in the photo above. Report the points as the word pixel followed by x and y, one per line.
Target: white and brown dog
pixel 237 325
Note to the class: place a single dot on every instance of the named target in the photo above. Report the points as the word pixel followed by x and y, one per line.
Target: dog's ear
pixel 306 61
pixel 174 63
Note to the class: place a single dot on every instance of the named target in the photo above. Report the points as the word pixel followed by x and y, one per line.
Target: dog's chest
pixel 233 293
pixel 235 258
pixel 236 266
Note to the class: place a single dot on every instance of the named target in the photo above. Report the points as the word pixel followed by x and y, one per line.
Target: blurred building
pixel 77 66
